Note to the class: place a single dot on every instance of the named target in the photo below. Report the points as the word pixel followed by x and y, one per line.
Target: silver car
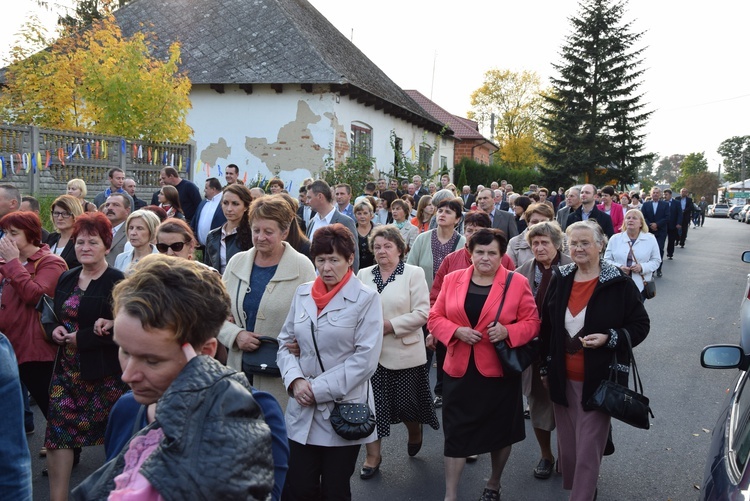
pixel 720 210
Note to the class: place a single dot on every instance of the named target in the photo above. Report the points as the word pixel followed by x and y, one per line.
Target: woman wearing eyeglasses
pixel 65 210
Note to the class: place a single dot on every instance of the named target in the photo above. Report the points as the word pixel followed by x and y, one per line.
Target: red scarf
pixel 320 293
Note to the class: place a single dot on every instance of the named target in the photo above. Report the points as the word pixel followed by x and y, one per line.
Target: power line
pixel 707 103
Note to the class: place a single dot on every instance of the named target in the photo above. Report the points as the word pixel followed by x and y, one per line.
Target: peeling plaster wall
pixel 260 132
pixel 290 133
pixel 348 111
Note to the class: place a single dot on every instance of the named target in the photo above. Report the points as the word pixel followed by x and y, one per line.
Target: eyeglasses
pixel 64 215
pixel 176 247
pixel 580 245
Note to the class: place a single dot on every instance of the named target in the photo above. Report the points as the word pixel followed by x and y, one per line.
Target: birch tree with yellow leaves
pixel 96 80
pixel 514 98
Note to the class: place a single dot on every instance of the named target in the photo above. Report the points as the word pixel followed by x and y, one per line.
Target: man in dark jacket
pixel 656 214
pixel 674 224
pixel 206 412
pixel 588 210
pixel 686 204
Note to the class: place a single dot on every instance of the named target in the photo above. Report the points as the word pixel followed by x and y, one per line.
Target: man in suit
pixel 675 221
pixel 500 204
pixel 686 204
pixel 588 210
pixel 209 215
pixel 572 202
pixel 419 189
pixel 500 219
pixel 656 214
pixel 305 212
pixel 468 197
pixel 117 210
pixel 321 201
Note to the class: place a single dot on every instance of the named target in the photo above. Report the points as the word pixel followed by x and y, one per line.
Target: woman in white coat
pixel 141 231
pixel 634 250
pixel 401 385
pixel 329 348
pixel 261 283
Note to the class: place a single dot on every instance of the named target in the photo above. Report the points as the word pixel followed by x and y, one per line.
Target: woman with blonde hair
pixel 77 189
pixel 141 231
pixel 65 210
pixel 634 250
pixel 261 283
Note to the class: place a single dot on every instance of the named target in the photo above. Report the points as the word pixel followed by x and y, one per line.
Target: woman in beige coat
pixel 261 283
pixel 400 385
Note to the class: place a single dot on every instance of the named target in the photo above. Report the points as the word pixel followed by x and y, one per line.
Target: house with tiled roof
pixel 277 89
pixel 469 142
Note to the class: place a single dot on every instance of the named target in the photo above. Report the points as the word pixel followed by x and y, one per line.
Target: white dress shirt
pixel 207 215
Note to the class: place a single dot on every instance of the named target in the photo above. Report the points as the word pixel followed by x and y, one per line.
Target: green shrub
pixel 477 173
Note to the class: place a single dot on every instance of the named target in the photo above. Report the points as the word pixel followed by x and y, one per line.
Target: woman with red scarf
pixel 336 323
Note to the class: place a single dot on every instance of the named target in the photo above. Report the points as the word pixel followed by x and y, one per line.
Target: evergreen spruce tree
pixel 594 114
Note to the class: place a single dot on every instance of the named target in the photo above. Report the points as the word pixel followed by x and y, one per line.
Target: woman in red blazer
pixel 463 319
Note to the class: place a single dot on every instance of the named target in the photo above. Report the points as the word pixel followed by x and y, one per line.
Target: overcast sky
pixel 697 80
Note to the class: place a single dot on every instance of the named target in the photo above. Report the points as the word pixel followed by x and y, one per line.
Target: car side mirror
pixel 723 356
pixel 746 256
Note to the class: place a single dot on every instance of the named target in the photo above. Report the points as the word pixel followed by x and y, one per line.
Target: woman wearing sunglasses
pixel 175 238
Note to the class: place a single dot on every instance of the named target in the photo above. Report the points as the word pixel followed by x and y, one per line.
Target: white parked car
pixel 719 210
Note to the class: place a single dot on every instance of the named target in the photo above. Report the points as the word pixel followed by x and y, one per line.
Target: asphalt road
pixel 697 304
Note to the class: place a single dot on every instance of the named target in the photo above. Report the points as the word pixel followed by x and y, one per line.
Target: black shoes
pixel 413 449
pixel 544 469
pixel 658 273
pixel 367 472
pixel 490 495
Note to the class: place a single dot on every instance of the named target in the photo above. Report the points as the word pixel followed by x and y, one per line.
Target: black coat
pixel 212 251
pixel 68 253
pixel 614 305
pixel 97 354
pixel 601 217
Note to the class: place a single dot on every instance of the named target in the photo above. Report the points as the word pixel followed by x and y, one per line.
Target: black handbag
pixel 263 360
pixel 351 421
pixel 515 360
pixel 649 287
pixel 47 317
pixel 620 402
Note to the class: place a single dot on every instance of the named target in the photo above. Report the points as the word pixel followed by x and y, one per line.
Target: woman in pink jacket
pixel 463 319
pixel 28 270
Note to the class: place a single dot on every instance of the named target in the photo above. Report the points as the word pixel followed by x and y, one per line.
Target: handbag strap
pixel 320 361
pixel 636 376
pixel 315 343
pixel 505 293
pixel 641 274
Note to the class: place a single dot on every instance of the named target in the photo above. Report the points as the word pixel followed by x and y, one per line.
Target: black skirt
pixel 481 414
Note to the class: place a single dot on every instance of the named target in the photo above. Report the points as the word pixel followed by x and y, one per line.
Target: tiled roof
pixel 463 128
pixel 266 42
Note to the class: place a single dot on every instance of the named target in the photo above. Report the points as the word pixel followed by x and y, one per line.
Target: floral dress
pixel 78 409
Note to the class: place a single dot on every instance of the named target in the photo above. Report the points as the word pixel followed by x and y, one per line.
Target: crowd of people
pixel 303 327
